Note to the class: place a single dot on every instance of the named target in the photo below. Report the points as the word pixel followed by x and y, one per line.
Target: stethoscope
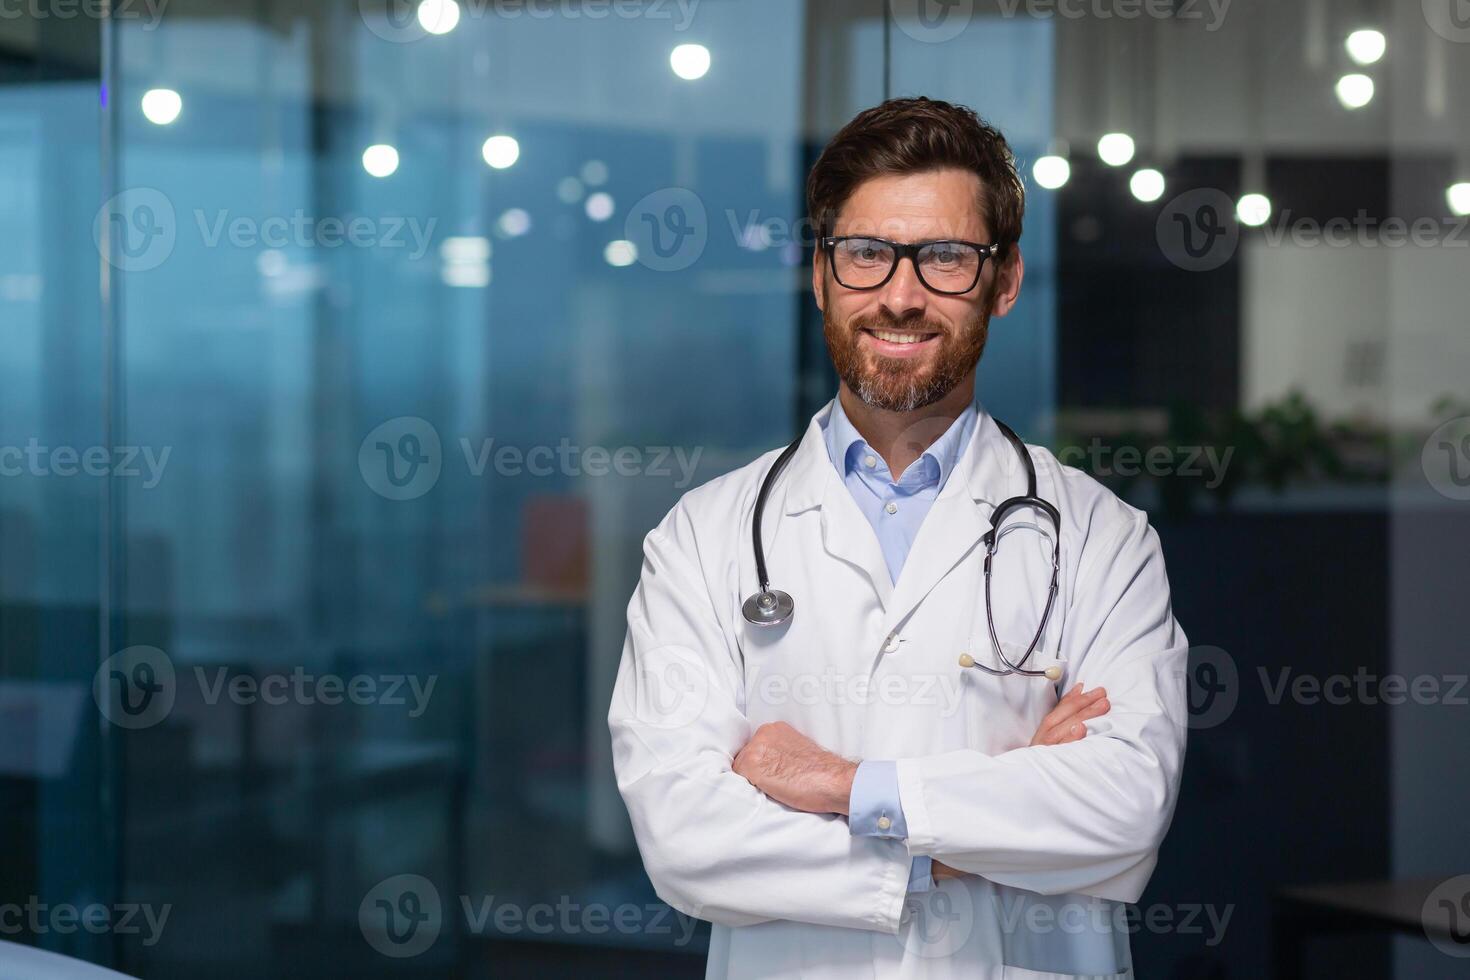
pixel 772 607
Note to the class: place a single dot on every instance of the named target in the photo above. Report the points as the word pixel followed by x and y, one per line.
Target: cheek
pixel 956 314
pixel 841 309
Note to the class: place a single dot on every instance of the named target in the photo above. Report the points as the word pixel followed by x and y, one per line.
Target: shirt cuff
pixel 921 877
pixel 874 808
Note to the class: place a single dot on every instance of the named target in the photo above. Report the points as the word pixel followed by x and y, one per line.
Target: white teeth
pixel 898 338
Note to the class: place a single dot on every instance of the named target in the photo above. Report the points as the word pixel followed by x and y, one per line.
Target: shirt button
pixel 891 507
pixel 890 645
pixel 870 461
pixel 884 823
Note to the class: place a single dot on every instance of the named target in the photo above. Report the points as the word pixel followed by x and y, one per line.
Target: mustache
pixel 887 321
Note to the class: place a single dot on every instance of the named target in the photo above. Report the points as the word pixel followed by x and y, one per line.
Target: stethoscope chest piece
pixel 768 607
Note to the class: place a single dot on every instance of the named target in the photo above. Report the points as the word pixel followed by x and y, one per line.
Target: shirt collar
pixel 845 444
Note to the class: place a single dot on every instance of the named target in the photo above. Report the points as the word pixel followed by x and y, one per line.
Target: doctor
pixel 834 791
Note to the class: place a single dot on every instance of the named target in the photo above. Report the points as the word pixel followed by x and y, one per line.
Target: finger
pixel 1063 734
pixel 1068 707
pixel 1074 729
pixel 1094 710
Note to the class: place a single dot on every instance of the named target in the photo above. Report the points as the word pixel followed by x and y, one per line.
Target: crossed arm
pixel 1063 815
pixel 792 769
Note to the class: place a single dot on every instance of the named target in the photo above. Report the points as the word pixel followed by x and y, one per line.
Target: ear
pixel 1009 274
pixel 819 275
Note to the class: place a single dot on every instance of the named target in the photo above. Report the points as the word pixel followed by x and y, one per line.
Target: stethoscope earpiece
pixel 1052 673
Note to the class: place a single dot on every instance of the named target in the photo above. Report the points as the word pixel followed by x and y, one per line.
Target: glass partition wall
pixel 351 348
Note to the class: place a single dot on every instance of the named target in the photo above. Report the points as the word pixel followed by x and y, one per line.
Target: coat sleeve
pixel 713 845
pixel 1086 817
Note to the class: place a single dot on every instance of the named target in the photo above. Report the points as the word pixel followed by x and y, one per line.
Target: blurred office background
pixel 311 267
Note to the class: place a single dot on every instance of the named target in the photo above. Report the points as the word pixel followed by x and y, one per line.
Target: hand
pixel 792 769
pixel 940 871
pixel 1064 723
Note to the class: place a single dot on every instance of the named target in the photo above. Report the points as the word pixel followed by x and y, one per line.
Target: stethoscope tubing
pixel 772 607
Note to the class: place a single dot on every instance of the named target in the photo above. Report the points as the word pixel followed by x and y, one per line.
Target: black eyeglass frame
pixel 911 252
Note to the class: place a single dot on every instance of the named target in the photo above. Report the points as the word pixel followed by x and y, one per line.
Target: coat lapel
pixel 987 472
pixel 846 534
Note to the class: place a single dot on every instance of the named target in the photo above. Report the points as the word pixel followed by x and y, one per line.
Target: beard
pixel 896 384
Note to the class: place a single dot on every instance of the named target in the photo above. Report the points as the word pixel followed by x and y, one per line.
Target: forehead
pixel 909 207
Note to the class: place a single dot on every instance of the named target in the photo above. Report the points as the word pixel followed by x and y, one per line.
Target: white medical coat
pixel 868 669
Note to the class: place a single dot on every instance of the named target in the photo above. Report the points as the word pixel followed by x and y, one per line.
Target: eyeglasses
pixel 948 267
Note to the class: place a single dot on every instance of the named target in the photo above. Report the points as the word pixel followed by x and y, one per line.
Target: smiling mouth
pixel 899 337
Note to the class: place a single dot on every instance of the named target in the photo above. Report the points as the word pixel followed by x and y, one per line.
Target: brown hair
pixel 905 136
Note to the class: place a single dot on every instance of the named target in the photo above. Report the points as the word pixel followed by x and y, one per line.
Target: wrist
pixel 843 772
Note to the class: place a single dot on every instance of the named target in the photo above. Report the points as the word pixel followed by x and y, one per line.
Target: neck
pixel 902 437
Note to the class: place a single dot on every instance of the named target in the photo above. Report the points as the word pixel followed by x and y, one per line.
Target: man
pixel 835 792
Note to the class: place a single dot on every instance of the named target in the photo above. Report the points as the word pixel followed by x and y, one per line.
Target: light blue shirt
pixel 896 509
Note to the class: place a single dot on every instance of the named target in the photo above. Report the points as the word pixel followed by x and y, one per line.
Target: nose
pixel 904 295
